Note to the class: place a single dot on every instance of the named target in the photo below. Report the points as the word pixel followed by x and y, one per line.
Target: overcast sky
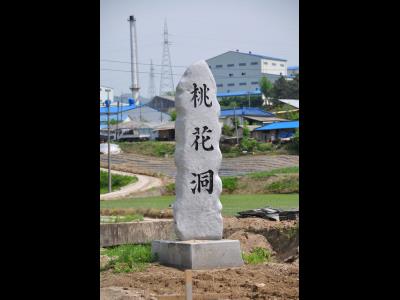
pixel 197 29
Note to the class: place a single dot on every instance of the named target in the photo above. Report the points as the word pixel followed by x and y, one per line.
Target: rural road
pixel 229 167
pixel 143 184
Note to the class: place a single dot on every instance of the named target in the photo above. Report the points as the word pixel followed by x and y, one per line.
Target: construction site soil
pixel 277 279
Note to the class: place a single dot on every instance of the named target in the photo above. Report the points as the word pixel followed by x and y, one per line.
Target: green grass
pixel 120 219
pixel 117 181
pixel 150 148
pixel 265 174
pixel 129 258
pixel 257 256
pixel 229 183
pixel 284 186
pixel 231 203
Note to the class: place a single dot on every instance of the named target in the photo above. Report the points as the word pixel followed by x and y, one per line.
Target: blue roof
pixel 114 109
pixel 251 54
pixel 280 125
pixel 245 111
pixel 238 93
pixel 293 68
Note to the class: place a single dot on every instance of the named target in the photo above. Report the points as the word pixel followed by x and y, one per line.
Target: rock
pixel 104 260
pixel 197 209
pixel 114 149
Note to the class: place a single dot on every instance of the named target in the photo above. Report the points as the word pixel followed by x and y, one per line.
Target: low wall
pixel 136 232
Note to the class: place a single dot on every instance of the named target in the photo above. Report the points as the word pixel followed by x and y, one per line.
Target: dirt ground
pixel 274 280
pixel 266 281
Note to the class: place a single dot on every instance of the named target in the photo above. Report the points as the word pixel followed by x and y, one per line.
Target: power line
pixel 174 66
pixel 215 76
pixel 220 69
pixel 126 62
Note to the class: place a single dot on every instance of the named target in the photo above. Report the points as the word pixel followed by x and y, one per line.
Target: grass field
pixel 231 203
pixel 117 181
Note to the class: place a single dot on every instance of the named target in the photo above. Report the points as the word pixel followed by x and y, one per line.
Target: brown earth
pixel 282 236
pixel 249 241
pixel 271 280
pixel 264 281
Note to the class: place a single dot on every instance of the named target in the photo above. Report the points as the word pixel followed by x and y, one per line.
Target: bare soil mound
pixel 249 241
pixel 282 236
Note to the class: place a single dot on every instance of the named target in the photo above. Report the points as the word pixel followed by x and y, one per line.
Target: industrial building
pixel 162 103
pixel 236 71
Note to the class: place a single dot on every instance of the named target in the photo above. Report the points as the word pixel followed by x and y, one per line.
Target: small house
pixel 276 131
pixel 165 132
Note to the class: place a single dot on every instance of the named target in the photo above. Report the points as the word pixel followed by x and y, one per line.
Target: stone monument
pixel 197 209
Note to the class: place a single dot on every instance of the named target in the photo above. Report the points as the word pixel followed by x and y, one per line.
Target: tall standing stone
pixel 197 209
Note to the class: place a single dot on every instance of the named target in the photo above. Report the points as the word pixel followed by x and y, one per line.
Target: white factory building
pixel 236 71
pixel 104 94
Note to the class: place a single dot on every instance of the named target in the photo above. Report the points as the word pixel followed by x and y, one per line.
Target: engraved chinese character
pixel 204 138
pixel 203 181
pixel 198 99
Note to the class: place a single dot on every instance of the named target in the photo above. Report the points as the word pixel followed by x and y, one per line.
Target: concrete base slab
pixel 198 254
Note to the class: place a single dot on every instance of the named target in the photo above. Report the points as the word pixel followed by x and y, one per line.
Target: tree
pixel 172 93
pixel 173 115
pixel 266 86
pixel 293 91
pixel 246 130
pixel 280 89
pixel 114 121
pixel 286 89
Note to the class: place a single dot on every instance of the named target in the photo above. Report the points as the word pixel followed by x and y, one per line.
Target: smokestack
pixel 134 60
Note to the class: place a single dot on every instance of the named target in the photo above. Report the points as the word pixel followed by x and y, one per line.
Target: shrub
pixel 264 147
pixel 170 188
pixel 257 256
pixel 248 144
pixel 230 183
pixel 293 146
pixel 227 130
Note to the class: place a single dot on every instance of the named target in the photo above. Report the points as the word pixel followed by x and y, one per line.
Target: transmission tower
pixel 167 80
pixel 152 88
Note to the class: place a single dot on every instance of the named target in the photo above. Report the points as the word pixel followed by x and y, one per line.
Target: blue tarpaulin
pixel 280 125
pixel 115 110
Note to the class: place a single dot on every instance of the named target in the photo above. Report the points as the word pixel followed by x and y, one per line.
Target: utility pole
pixel 116 132
pixel 234 118
pixel 108 139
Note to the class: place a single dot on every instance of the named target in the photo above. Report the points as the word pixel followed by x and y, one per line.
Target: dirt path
pixel 143 184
